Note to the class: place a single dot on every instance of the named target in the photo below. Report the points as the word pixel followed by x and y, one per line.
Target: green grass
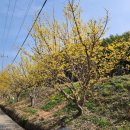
pixel 30 110
pixel 100 121
pixel 52 102
pixel 57 99
pixel 118 84
pixel 91 105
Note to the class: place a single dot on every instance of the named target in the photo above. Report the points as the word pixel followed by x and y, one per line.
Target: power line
pixel 11 19
pixel 30 30
pixel 3 35
pixel 25 15
pixel 6 19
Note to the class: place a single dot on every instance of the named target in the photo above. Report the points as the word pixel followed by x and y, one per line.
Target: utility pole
pixel 2 56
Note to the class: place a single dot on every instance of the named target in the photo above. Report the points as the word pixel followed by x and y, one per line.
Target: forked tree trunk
pixel 80 104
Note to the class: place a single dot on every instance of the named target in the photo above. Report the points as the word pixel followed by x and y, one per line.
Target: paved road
pixel 6 123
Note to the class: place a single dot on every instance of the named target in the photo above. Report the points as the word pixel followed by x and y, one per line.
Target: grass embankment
pixel 106 110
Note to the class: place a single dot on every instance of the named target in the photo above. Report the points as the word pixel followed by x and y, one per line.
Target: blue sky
pixel 119 11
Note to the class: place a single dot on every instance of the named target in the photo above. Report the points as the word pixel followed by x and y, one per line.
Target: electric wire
pixel 12 16
pixel 29 31
pixel 3 35
pixel 6 19
pixel 23 21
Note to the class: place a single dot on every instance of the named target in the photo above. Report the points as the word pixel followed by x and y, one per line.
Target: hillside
pixel 108 109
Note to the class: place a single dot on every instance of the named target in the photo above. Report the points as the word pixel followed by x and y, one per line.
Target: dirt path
pixel 6 123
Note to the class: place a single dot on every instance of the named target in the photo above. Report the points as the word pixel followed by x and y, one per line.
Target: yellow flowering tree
pixel 76 48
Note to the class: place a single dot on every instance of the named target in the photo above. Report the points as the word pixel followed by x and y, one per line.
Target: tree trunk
pixel 32 99
pixel 80 111
pixel 80 104
pixel 17 97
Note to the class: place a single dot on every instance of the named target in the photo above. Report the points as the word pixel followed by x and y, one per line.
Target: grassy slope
pixel 106 110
